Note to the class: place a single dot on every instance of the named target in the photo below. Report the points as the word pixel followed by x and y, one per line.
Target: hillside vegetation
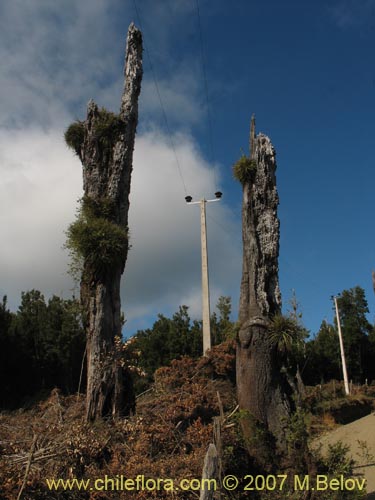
pixel 167 438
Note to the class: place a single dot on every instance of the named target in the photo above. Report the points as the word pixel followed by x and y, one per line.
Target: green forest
pixel 42 345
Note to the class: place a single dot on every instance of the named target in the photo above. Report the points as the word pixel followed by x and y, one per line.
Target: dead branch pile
pixel 167 438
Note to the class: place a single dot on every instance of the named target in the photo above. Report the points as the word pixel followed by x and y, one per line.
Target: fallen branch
pixel 232 413
pixel 144 392
pixel 32 449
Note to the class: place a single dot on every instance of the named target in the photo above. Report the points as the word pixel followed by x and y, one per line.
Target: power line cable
pixel 204 71
pixel 169 8
pixel 228 232
pixel 234 235
pixel 160 100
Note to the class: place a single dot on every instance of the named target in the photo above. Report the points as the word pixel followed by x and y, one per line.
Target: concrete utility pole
pixel 344 371
pixel 205 282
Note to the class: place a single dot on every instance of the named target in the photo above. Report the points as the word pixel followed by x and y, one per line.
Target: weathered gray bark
pixel 262 389
pixel 106 175
pixel 210 471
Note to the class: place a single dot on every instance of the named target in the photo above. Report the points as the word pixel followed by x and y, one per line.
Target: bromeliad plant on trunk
pixel 98 239
pixel 96 242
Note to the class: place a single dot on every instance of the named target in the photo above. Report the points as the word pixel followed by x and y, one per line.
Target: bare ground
pixel 355 435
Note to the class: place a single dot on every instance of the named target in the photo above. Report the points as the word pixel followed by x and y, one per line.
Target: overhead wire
pixel 209 118
pixel 231 233
pixel 228 232
pixel 204 72
pixel 160 99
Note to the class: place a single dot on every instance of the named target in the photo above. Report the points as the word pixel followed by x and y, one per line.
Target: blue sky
pixel 306 69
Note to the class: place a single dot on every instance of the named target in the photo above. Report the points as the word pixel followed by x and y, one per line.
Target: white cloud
pixel 40 184
pixel 55 56
pixel 164 262
pixel 51 62
pixel 180 98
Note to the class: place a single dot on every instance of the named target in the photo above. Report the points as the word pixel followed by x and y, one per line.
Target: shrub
pixel 74 136
pixel 94 239
pixel 106 128
pixel 103 207
pixel 337 460
pixel 244 169
pixel 98 240
pixel 296 438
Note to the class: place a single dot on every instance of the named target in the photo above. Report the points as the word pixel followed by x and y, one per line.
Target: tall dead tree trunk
pixel 106 153
pixel 263 390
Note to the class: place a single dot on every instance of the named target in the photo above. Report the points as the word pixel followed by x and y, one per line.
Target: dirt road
pixel 362 430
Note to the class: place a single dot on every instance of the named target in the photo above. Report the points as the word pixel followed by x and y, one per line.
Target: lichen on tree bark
pixel 106 153
pixel 263 390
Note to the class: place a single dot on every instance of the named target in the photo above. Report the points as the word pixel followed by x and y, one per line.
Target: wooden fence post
pixel 210 471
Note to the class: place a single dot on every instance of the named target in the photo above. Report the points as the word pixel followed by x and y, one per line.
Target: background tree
pixel 221 325
pixel 168 339
pixel 323 360
pixel 322 357
pixel 369 358
pixel 27 333
pixel 355 327
pixel 6 351
pixel 41 347
pixel 64 343
pixel 172 338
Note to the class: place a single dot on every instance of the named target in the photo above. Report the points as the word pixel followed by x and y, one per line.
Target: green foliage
pixel 5 315
pixel 284 333
pixel 168 339
pixel 258 440
pixel 95 240
pixel 296 437
pixel 244 169
pixel 328 405
pixel 355 329
pixel 74 136
pixel 222 328
pixel 337 460
pixel 172 338
pixel 6 318
pixel 103 207
pixel 323 356
pixel 364 453
pixel 41 348
pixel 107 127
pixel 98 242
pixel 323 352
